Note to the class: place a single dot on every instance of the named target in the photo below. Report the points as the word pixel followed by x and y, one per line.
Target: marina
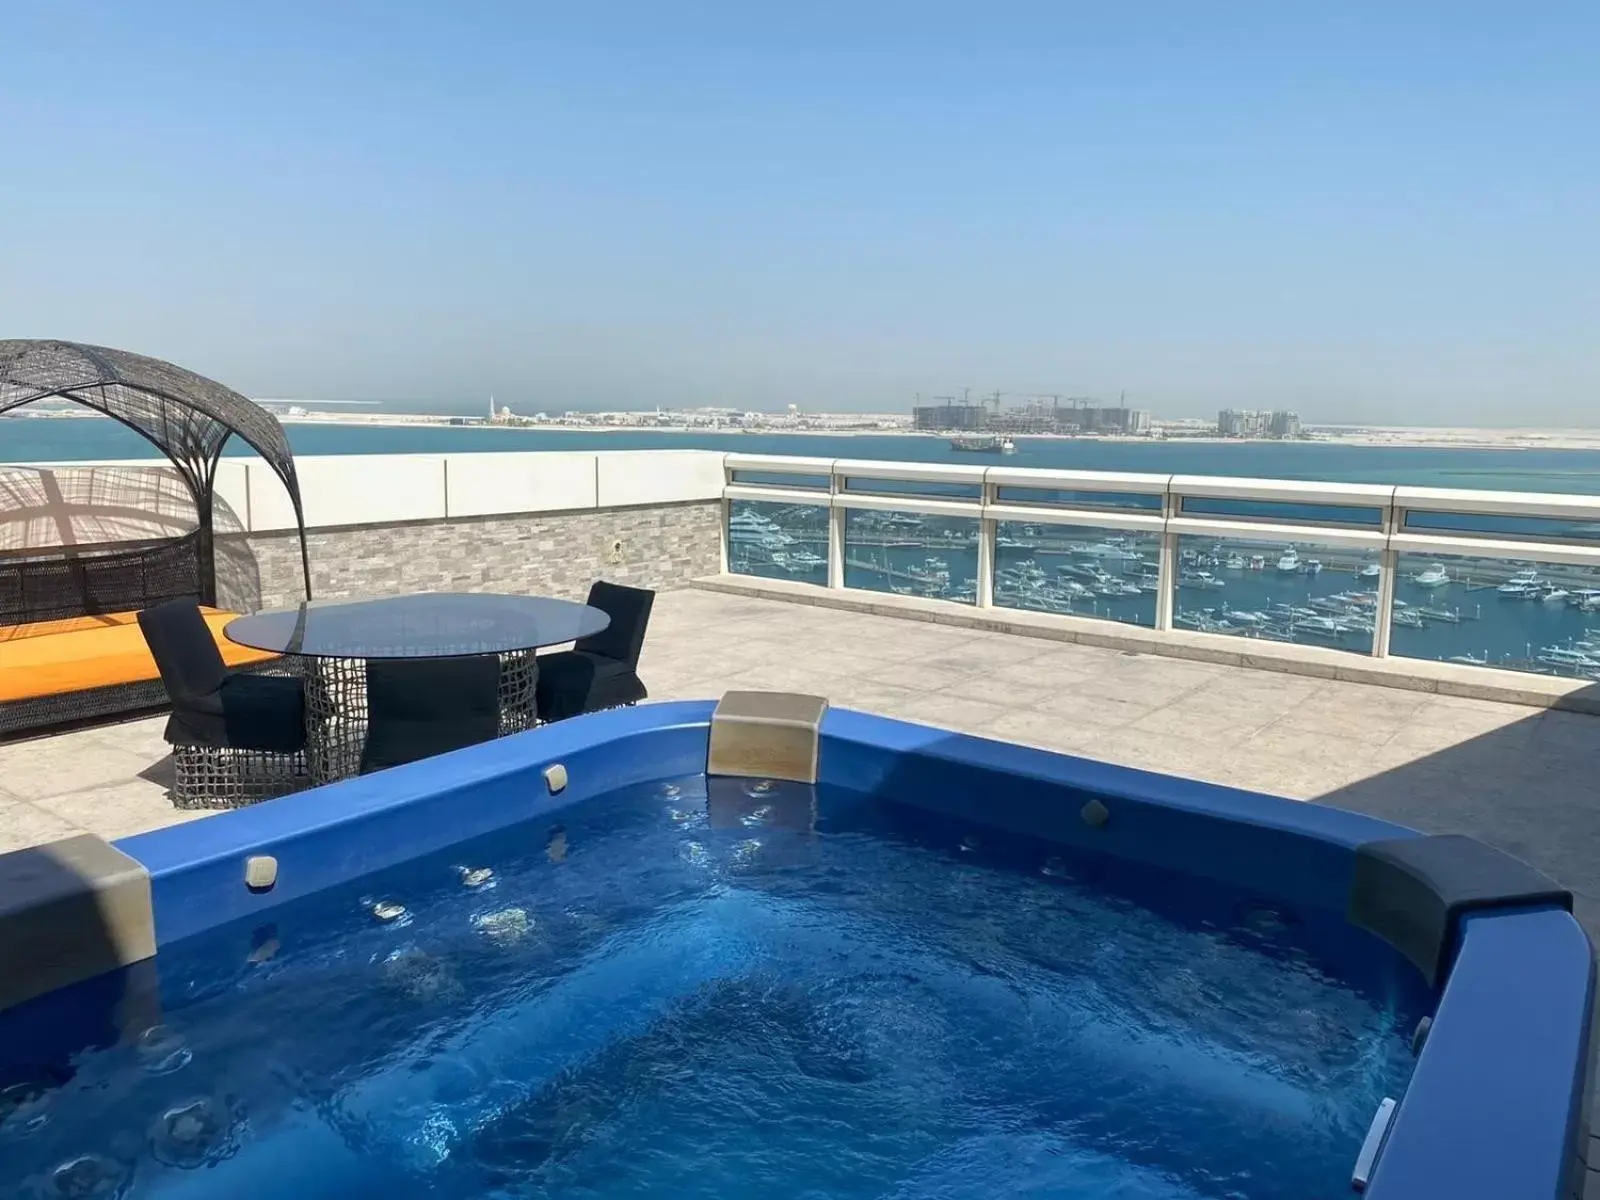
pixel 1543 619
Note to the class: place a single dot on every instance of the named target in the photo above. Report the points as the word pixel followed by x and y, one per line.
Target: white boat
pixel 1077 569
pixel 1434 576
pixel 1205 620
pixel 981 443
pixel 1448 616
pixel 1321 626
pixel 1243 617
pixel 1110 549
pixel 1521 584
pixel 1554 595
pixel 1202 580
pixel 1561 656
pixel 1235 562
pixel 749 528
pixel 1370 571
pixel 1471 660
pixel 1119 588
pixel 1313 566
pixel 1289 564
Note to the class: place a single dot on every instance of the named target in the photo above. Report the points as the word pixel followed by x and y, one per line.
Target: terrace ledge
pixel 1407 674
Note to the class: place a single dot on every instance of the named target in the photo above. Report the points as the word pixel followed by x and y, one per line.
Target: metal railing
pixel 1180 537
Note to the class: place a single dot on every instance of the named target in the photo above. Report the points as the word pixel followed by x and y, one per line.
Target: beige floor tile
pixel 990 652
pixel 1140 685
pixel 1046 730
pixel 782 677
pixel 948 711
pixel 1085 704
pixel 26 825
pixel 866 696
pixel 1004 691
pixel 688 688
pixel 1294 778
pixel 1372 728
pixel 114 812
pixel 916 677
pixel 143 736
pixel 71 762
pixel 1292 743
pixel 1060 665
pixel 1189 718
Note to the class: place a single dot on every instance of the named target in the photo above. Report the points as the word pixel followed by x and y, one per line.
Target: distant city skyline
pixel 475 407
pixel 1368 213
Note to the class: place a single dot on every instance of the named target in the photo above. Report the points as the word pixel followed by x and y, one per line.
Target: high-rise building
pixel 938 418
pixel 1258 423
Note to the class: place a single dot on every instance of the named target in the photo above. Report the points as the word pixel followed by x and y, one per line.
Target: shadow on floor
pixel 162 772
pixel 1527 788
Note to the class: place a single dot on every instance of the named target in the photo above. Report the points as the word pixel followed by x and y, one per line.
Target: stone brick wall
pixel 548 554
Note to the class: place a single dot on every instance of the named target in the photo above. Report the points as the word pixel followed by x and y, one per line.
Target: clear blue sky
pixel 1369 211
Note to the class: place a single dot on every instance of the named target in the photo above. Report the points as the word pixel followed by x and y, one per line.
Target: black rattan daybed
pixel 69 647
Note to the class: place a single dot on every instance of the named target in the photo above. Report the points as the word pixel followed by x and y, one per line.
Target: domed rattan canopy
pixel 188 417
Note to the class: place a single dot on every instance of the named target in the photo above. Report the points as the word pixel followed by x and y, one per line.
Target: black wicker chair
pixel 419 707
pixel 601 671
pixel 236 738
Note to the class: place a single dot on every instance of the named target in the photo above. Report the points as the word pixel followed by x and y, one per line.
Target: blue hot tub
pixel 952 968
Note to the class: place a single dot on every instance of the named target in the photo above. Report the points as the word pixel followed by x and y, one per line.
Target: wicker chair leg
pixel 216 777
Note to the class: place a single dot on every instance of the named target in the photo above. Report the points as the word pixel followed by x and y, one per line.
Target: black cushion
pixel 419 707
pixel 209 706
pixel 576 681
pixel 629 610
pixel 186 655
pixel 247 712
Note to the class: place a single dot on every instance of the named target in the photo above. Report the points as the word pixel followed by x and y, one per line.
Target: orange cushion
pixel 90 652
pixel 11 633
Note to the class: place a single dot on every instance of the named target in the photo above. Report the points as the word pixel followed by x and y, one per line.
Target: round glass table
pixel 334 639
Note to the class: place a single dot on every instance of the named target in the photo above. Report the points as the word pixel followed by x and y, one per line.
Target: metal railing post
pixel 1388 561
pixel 723 548
pixel 1167 574
pixel 722 539
pixel 986 536
pixel 836 518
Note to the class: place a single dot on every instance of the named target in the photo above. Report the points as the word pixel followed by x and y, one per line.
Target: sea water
pixel 773 995
pixel 54 440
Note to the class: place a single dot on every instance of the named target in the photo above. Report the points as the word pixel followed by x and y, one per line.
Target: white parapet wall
pixel 346 490
pixel 47 505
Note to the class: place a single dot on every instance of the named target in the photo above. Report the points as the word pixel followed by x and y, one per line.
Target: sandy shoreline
pixel 1461 439
pixel 1464 438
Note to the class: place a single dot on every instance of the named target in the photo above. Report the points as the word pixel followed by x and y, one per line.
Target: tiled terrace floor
pixel 1517 777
